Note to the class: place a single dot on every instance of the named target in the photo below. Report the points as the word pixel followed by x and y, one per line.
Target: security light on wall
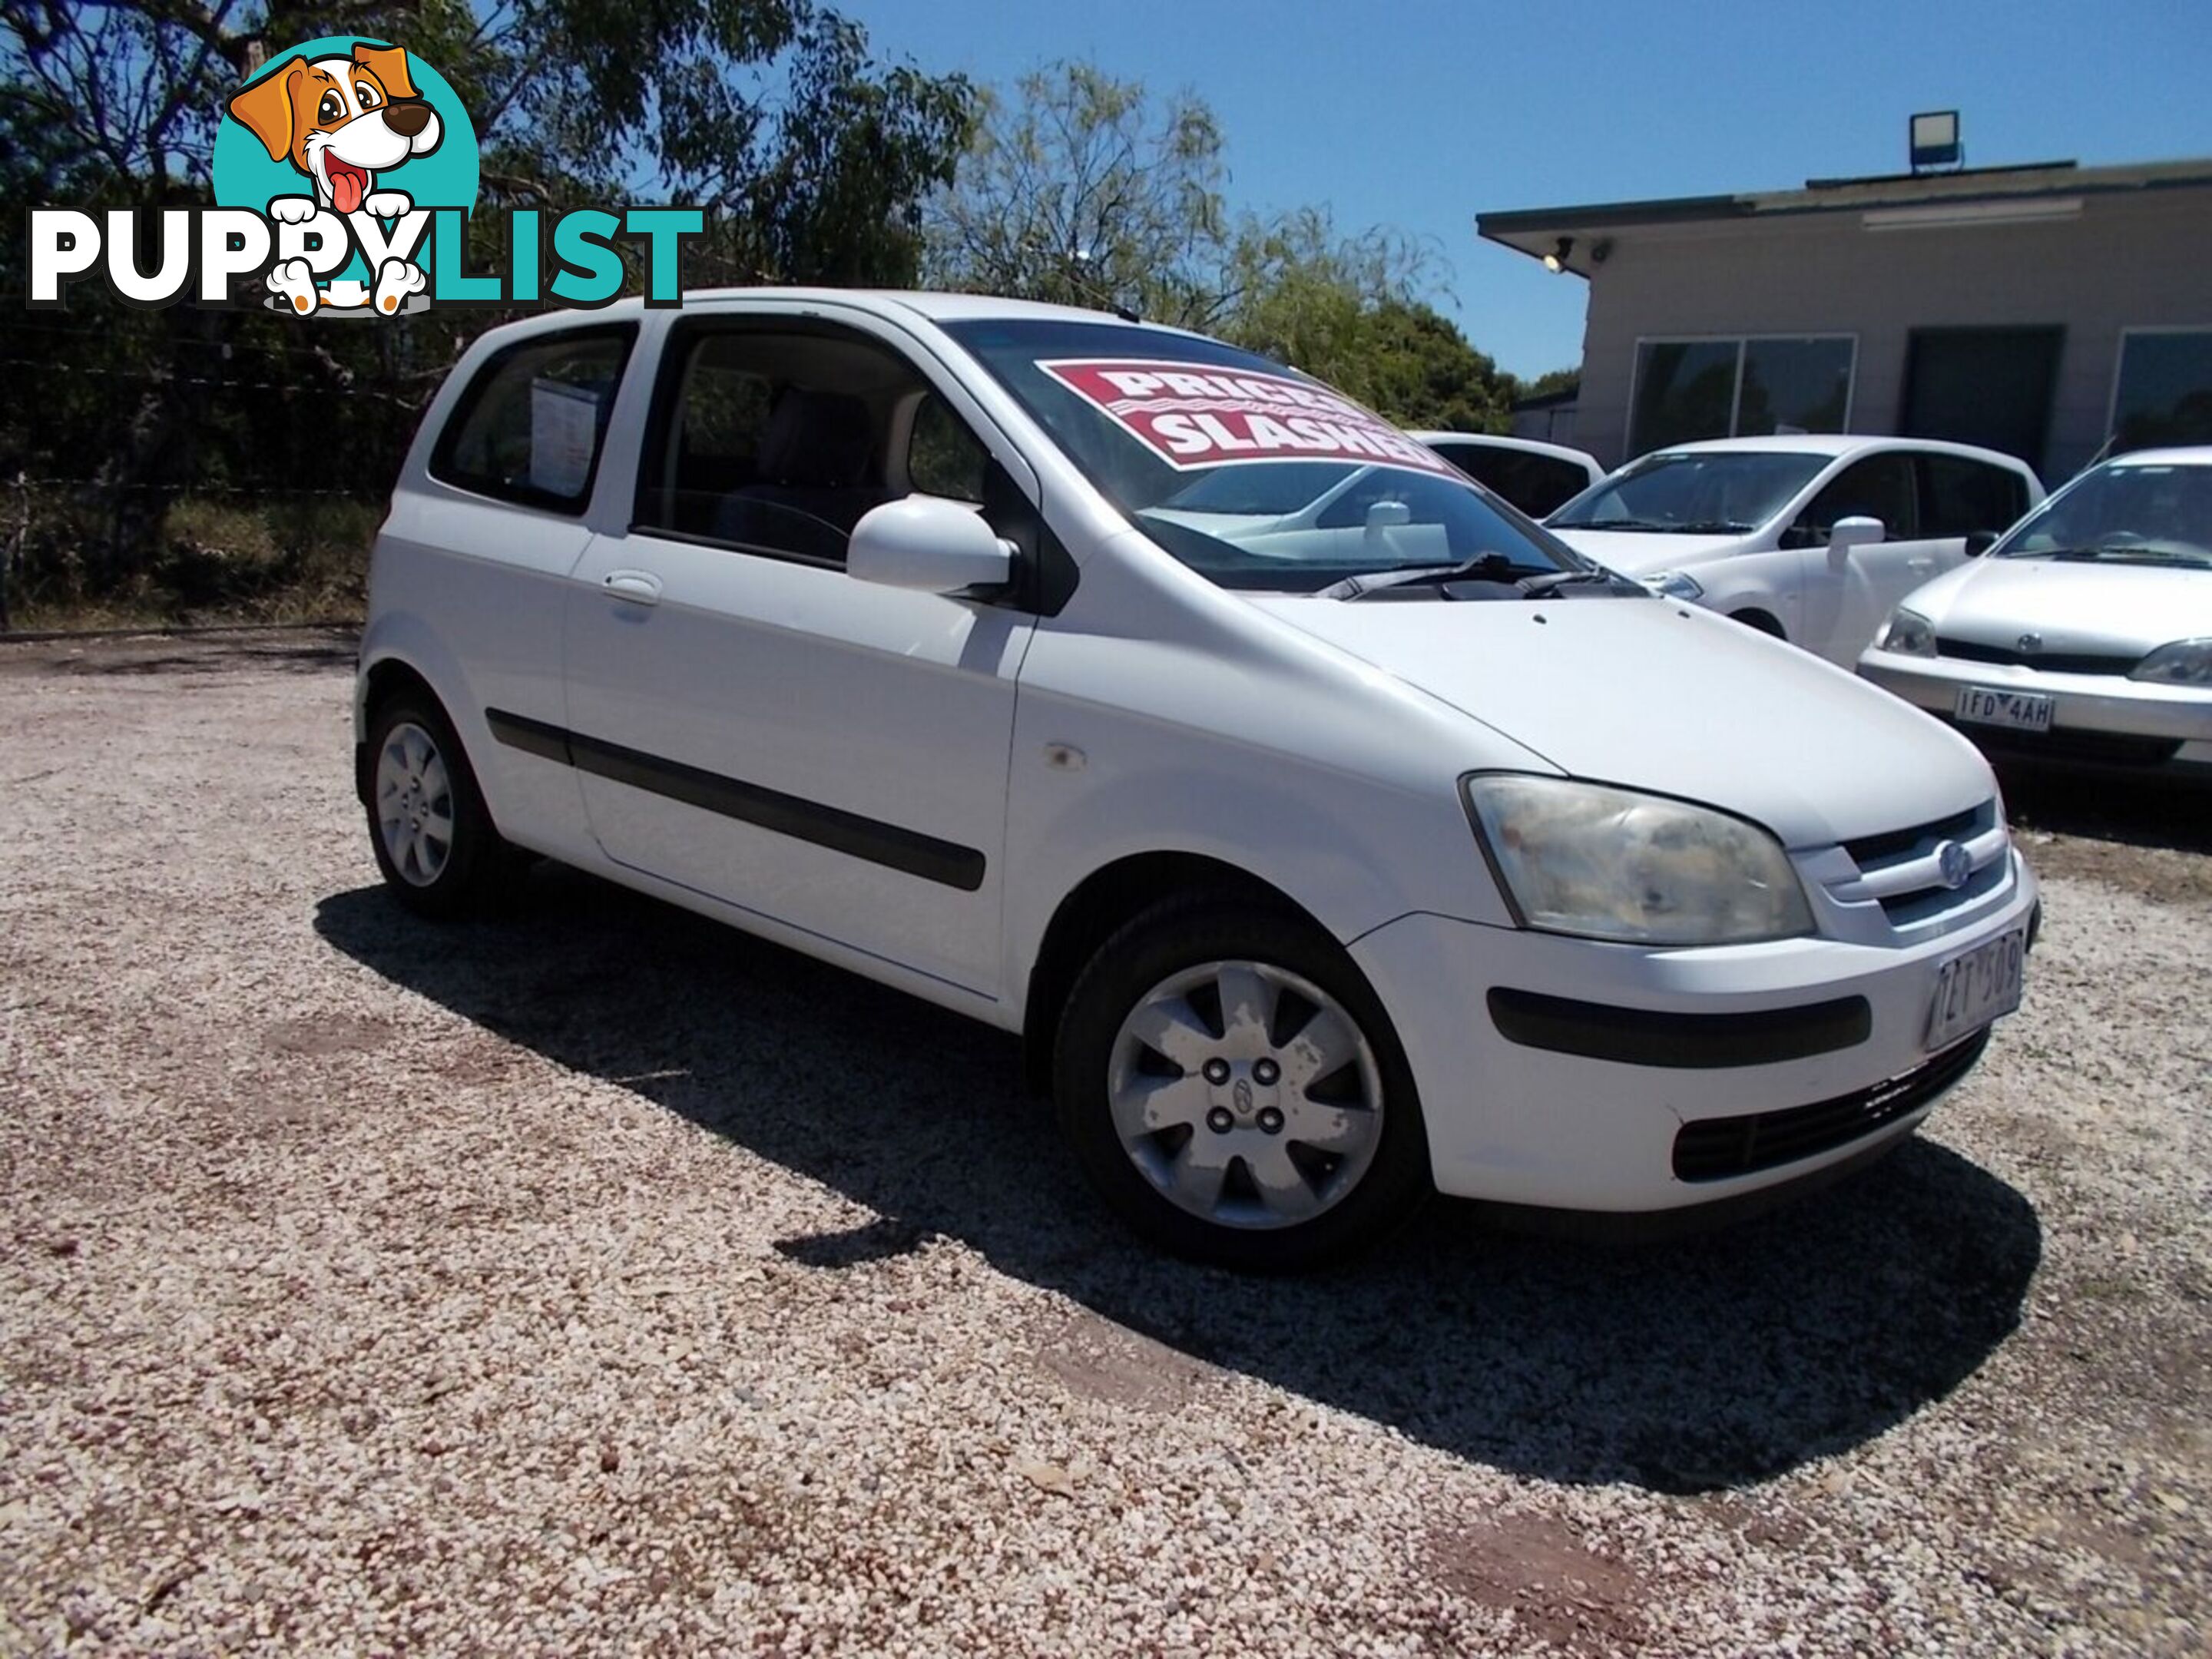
pixel 1556 260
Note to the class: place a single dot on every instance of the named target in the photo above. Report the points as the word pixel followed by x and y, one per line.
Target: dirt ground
pixel 598 1279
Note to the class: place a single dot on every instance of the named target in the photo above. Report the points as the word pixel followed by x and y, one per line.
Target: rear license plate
pixel 2030 711
pixel 1976 988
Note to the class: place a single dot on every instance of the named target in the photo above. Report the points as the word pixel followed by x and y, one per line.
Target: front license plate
pixel 1975 988
pixel 1984 706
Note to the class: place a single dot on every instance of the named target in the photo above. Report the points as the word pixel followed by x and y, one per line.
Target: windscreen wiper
pixel 2137 552
pixel 1491 567
pixel 1536 586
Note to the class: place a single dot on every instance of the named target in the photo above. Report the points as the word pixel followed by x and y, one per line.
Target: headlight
pixel 1908 634
pixel 1612 864
pixel 1673 585
pixel 2186 662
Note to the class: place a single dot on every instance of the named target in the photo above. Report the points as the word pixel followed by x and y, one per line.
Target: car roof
pixel 1837 444
pixel 938 307
pixel 1498 440
pixel 2173 455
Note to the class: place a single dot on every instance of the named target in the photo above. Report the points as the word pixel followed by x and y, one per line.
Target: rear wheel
pixel 433 840
pixel 1232 1088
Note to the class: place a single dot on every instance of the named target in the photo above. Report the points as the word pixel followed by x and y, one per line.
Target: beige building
pixel 2046 311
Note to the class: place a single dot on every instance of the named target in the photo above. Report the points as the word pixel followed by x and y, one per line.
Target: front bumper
pixel 1554 1125
pixel 2105 705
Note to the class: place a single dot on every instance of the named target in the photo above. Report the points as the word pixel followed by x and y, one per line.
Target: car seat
pixel 811 468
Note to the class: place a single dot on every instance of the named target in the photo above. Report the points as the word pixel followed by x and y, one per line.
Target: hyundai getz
pixel 942 638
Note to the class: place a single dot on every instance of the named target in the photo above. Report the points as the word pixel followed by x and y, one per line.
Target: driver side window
pixel 1879 487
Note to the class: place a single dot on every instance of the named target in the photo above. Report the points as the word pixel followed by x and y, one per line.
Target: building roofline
pixel 1852 195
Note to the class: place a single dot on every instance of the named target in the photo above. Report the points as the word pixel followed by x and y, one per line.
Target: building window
pixel 2163 394
pixel 1692 389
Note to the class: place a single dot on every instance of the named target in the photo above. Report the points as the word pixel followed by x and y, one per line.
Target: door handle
pixel 638 587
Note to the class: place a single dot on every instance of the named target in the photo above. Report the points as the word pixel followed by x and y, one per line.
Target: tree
pixel 812 156
pixel 1082 189
pixel 1086 189
pixel 1346 310
pixel 1552 381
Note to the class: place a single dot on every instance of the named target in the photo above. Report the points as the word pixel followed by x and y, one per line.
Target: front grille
pixel 1910 910
pixel 2105 748
pixel 1899 867
pixel 2052 662
pixel 1871 853
pixel 1717 1148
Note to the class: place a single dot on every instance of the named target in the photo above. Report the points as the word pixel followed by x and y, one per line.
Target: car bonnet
pixel 2087 606
pixel 1652 695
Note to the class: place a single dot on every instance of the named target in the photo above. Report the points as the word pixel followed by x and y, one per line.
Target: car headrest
pixel 817 439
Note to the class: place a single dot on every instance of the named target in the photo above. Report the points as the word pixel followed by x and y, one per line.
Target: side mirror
pixel 929 544
pixel 1858 531
pixel 1979 542
pixel 1382 517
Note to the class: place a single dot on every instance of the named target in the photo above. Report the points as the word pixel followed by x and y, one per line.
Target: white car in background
pixel 1813 536
pixel 2087 633
pixel 1535 476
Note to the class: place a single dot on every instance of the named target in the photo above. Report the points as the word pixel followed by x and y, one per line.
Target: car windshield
pixel 2122 514
pixel 1254 476
pixel 1697 492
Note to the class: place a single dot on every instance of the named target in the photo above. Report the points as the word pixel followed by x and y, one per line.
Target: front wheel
pixel 1231 1086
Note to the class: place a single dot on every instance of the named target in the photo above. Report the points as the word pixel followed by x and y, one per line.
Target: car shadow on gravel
pixel 1682 1367
pixel 2138 808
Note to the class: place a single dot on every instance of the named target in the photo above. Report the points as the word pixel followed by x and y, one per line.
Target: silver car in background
pixel 2086 634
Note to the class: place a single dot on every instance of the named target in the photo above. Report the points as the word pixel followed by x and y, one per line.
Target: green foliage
pixel 812 156
pixel 1086 189
pixel 1552 381
pixel 1080 191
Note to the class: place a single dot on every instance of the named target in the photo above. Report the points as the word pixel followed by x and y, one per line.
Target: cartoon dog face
pixel 340 120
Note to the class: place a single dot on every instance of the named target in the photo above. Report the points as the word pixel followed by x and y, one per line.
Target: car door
pixel 754 725
pixel 1848 591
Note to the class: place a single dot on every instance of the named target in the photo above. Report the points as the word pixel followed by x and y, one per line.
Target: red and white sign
pixel 1194 416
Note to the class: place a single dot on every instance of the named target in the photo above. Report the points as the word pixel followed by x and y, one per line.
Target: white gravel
pixel 600 1280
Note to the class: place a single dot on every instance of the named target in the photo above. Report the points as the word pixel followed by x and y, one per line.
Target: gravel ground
pixel 598 1279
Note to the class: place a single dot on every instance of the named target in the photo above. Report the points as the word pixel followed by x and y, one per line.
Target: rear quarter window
pixel 531 425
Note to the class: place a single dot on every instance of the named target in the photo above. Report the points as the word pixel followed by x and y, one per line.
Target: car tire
pixel 1283 1132
pixel 1759 622
pixel 432 836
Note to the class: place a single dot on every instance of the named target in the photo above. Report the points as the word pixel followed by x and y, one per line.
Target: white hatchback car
pixel 1812 537
pixel 1314 875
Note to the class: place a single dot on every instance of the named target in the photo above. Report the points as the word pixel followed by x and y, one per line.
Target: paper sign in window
pixel 564 427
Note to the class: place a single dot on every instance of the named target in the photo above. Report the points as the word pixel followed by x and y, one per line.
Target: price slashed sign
pixel 1194 416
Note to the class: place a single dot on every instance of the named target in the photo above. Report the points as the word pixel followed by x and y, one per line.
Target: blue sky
pixel 1422 114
